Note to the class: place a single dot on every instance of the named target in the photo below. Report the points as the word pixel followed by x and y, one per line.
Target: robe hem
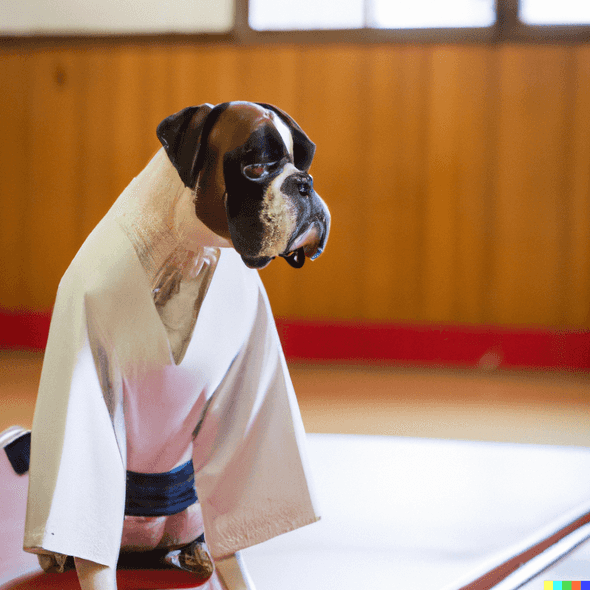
pixel 44 549
pixel 218 552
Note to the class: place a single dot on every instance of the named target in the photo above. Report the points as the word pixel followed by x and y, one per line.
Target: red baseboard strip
pixel 24 329
pixel 486 347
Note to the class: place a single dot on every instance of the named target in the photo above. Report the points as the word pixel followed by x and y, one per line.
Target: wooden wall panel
pixel 457 176
pixel 98 139
pixel 577 291
pixel 531 201
pixel 332 92
pixel 475 108
pixel 14 171
pixel 441 230
pixel 133 119
pixel 393 183
pixel 53 204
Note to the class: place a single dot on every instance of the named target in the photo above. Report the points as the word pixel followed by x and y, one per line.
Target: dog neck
pixel 178 252
pixel 157 213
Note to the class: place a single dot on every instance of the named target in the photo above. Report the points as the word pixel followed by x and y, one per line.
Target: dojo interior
pixel 456 173
pixel 453 299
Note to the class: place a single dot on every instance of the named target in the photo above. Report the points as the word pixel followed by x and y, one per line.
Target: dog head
pixel 249 166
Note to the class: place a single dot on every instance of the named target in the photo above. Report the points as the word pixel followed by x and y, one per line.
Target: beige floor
pixel 530 407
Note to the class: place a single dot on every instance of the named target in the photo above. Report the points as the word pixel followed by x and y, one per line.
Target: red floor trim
pixel 366 342
pixel 435 345
pixel 24 329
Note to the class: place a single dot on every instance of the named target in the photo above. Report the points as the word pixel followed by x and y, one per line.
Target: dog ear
pixel 181 135
pixel 303 147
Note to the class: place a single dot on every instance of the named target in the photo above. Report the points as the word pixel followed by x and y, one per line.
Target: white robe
pixel 112 398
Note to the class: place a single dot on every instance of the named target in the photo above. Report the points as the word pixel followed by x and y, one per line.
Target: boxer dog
pixel 249 165
pixel 131 418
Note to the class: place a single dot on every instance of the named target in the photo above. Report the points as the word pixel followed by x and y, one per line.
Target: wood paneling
pixel 577 293
pixel 332 93
pixel 14 164
pixel 98 137
pixel 394 182
pixel 531 203
pixel 458 176
pixel 52 202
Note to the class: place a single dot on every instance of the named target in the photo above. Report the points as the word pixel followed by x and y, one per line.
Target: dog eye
pixel 260 171
pixel 255 171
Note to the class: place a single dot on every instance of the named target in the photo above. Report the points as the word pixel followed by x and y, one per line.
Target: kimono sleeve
pixel 250 460
pixel 77 474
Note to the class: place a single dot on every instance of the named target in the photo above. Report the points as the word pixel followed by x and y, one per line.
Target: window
pixel 115 17
pixel 432 14
pixel 274 15
pixel 550 12
pixel 415 20
pixel 299 21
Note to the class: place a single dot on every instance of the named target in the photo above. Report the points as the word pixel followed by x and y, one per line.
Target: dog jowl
pixel 248 164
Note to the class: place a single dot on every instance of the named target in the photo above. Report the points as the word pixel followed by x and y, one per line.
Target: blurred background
pixel 453 149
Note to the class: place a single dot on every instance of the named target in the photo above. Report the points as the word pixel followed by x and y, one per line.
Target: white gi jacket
pixel 112 398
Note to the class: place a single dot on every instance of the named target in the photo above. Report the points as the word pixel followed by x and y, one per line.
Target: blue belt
pixel 160 494
pixel 19 453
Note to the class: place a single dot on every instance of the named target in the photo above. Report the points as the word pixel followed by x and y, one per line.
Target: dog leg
pixel 194 558
pixel 93 576
pixel 232 573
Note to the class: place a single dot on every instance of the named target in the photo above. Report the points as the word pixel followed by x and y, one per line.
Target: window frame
pixel 507 29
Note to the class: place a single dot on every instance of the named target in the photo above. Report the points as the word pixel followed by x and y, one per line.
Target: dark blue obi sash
pixel 19 453
pixel 148 494
pixel 160 494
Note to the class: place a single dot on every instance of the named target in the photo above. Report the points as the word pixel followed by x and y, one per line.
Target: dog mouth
pixel 309 244
pixel 295 258
pixel 257 262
